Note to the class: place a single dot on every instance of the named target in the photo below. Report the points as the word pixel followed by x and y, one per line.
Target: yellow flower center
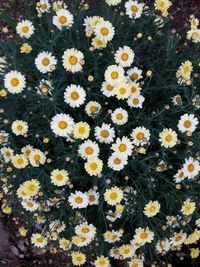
pixel 143 235
pixel 25 29
pixel 122 147
pixel 105 133
pixel 73 60
pixel 59 177
pixel 113 195
pixel 104 31
pixel 79 200
pixel 187 124
pixel 134 265
pixel 37 157
pixel 40 239
pixel 114 75
pixel 117 161
pixel 124 56
pixel 93 109
pixel 14 82
pixel 63 20
pixel 20 127
pixel 45 61
pixel 191 167
pixel 89 150
pixel 168 138
pixel 122 90
pixel 178 238
pixel 43 6
pixel 119 116
pixel 140 136
pixel 85 230
pixel 93 166
pixel 74 95
pixel 81 130
pixel 152 208
pixel 62 125
pixel 135 101
pixel 109 87
pixel 79 258
pixel 134 8
pixel 31 187
pixel 20 161
pixel 134 76
pixel 92 198
pixel 30 204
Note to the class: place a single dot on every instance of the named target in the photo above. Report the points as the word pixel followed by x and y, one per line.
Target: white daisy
pixel 140 136
pixel 116 162
pixel 37 157
pixel 92 108
pixel 191 168
pixel 7 153
pixel 62 125
pixel 179 176
pixel 119 116
pixel 122 90
pixel 63 18
pixel 14 82
pixel 163 245
pixel 88 149
pixel 19 127
pixel 114 74
pixel 45 62
pixel 78 200
pixel 187 123
pixel 124 56
pixel 43 6
pixel 85 230
pixel 73 60
pixel 29 205
pixel 134 9
pixel 134 74
pixel 93 197
pixel 135 101
pixel 59 177
pixel 25 29
pixel 123 146
pixel 38 240
pixel 107 89
pixel 105 133
pixel 113 2
pixel 104 30
pixel 74 95
pixel 135 89
pixel 178 238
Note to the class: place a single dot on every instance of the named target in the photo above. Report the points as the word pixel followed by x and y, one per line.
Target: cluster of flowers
pixel 86 133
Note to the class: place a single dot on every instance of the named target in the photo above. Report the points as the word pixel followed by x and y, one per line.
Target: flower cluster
pixel 100 138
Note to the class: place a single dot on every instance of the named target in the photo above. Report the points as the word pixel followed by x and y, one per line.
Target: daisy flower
pixel 92 108
pixel 135 263
pixel 38 240
pixel 112 236
pixel 123 146
pixel 14 82
pixel 163 245
pixel 163 6
pixel 7 153
pixel 98 43
pixel 188 207
pixel 74 95
pixel 37 158
pixel 135 101
pixel 93 166
pixel 124 56
pixel 88 149
pixel 43 6
pixel 187 123
pixel 105 133
pixel 19 161
pixel 59 177
pixel 152 208
pixel 122 90
pixel 178 238
pixel 78 200
pixel 26 150
pixel 102 262
pixel 113 196
pixel 19 127
pixel 143 235
pixel 119 116
pixel 194 35
pixel 104 30
pixel 45 62
pixel 29 205
pixel 135 89
pixel 168 138
pixel 140 136
pixel 64 243
pixel 113 2
pixel 78 258
pixel 126 251
pixel 191 168
pixel 183 74
pixel 81 130
pixel 134 9
pixel 116 162
pixel 134 74
pixel 114 74
pixel 73 60
pixel 107 89
pixel 179 176
pixel 93 197
pixel 63 18
pixel 62 125
pixel 85 230
pixel 31 187
pixel 25 29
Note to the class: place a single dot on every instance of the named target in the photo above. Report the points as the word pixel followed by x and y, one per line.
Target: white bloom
pixel 88 149
pixel 105 133
pixel 73 60
pixel 19 127
pixel 62 125
pixel 29 205
pixel 187 123
pixel 119 116
pixel 191 168
pixel 140 136
pixel 135 101
pixel 104 30
pixel 116 162
pixel 14 82
pixel 134 9
pixel 107 89
pixel 124 56
pixel 7 153
pixel 134 74
pixel 123 146
pixel 85 230
pixel 63 18
pixel 114 74
pixel 74 95
pixel 45 62
pixel 78 200
pixel 25 29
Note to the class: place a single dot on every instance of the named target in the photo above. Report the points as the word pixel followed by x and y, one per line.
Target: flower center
pixel 134 76
pixel 134 8
pixel 25 29
pixel 122 90
pixel 144 235
pixel 104 31
pixel 40 239
pixel 19 127
pixel 74 95
pixel 113 195
pixel 62 125
pixel 168 138
pixel 117 161
pixel 89 150
pixel 93 166
pixel 63 20
pixel 114 75
pixel 93 109
pixel 79 200
pixel 20 161
pixel 45 61
pixel 135 101
pixel 81 130
pixel 124 56
pixel 187 124
pixel 140 136
pixel 119 116
pixel 73 60
pixel 109 87
pixel 30 204
pixel 59 177
pixel 14 82
pixel 37 157
pixel 104 133
pixel 190 167
pixel 92 198
pixel 85 230
pixel 122 148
